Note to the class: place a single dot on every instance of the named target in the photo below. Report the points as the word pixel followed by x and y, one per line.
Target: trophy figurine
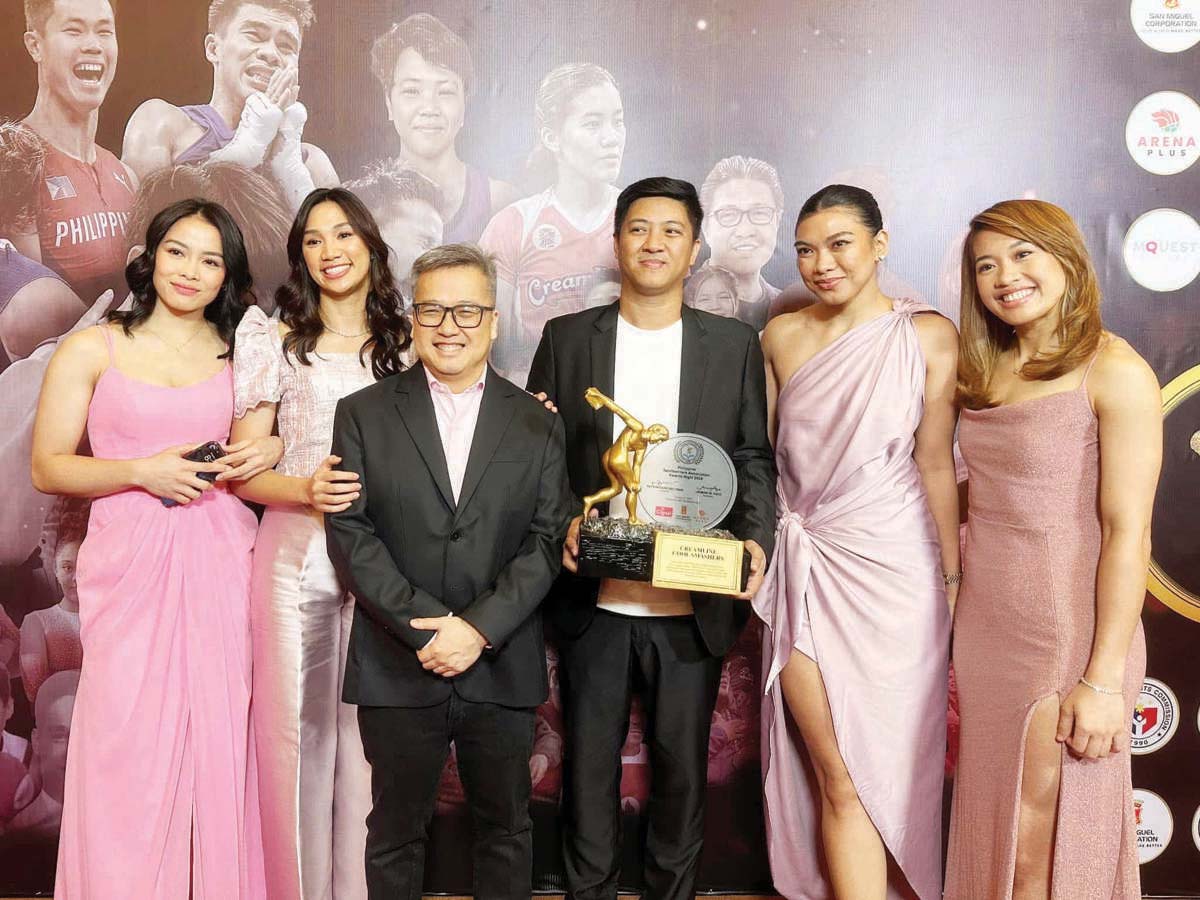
pixel 692 482
pixel 623 460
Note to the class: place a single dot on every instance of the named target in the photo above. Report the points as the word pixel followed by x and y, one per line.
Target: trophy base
pixel 707 561
pixel 612 548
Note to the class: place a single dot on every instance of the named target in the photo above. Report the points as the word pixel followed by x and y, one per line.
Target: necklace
pixel 176 347
pixel 333 330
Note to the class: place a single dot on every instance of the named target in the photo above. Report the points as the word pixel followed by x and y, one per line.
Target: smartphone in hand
pixel 210 452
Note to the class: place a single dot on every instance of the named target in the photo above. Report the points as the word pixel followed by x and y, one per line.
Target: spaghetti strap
pixel 107 332
pixel 1092 362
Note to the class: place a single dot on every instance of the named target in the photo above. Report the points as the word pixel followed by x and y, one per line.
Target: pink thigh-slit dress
pixel 855 585
pixel 1023 632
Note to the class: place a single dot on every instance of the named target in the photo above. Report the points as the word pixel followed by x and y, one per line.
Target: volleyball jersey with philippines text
pixel 82 213
pixel 550 260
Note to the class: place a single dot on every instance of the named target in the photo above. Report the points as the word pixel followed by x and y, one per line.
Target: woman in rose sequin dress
pixel 1061 431
pixel 340 329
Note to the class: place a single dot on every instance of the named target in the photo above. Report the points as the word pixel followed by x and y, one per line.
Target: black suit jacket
pixel 722 395
pixel 407 550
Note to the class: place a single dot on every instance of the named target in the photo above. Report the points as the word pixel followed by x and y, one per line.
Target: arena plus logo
pixel 1167 120
pixel 1162 250
pixel 1162 131
pixel 1153 824
pixel 1155 718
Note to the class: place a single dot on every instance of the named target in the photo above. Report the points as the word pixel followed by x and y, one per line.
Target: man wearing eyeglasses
pixel 454 540
pixel 742 201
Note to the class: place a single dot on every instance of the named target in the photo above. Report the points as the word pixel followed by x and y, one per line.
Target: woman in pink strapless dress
pixel 159 799
pixel 857 640
pixel 1062 435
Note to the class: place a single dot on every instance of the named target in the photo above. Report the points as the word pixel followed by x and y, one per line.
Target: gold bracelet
pixel 951 578
pixel 1100 690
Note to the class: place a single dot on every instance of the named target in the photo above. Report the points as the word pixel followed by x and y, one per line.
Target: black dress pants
pixel 665 659
pixel 407 748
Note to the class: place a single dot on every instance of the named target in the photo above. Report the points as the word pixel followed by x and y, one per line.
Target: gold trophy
pixel 665 554
pixel 623 460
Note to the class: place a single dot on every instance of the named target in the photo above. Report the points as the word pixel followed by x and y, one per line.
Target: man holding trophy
pixel 665 414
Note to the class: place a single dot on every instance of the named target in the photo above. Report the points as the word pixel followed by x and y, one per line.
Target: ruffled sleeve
pixel 257 359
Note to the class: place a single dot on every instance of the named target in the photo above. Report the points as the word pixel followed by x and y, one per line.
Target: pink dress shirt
pixel 456 418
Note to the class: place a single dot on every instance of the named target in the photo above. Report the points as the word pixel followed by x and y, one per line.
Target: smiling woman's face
pixel 1018 282
pixel 426 105
pixel 836 254
pixel 189 268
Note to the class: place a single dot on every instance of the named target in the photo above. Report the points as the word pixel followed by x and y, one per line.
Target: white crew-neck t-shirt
pixel 646 383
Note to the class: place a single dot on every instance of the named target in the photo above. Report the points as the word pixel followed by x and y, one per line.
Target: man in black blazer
pixel 695 372
pixel 453 542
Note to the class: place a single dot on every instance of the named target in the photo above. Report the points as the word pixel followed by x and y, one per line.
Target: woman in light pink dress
pixel 1062 436
pixel 341 327
pixel 159 799
pixel 860 389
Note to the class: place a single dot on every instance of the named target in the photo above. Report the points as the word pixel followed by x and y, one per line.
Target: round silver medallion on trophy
pixel 688 481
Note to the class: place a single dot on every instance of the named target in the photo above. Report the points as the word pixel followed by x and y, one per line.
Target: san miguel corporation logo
pixel 1162 132
pixel 1169 26
pixel 1155 718
pixel 1153 823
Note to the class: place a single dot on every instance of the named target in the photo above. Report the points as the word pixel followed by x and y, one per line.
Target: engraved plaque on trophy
pixel 682 486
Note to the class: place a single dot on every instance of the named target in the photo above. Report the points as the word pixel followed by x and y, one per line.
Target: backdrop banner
pixel 515 124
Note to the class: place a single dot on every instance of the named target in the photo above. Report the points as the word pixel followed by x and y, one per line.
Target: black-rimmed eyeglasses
pixel 729 216
pixel 465 315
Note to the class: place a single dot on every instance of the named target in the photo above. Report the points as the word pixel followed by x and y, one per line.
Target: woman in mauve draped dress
pixel 857 640
pixel 1061 432
pixel 341 327
pixel 160 799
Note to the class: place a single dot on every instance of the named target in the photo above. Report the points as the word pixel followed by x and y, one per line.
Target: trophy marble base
pixel 612 548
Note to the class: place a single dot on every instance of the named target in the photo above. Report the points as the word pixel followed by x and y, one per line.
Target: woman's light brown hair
pixel 983 337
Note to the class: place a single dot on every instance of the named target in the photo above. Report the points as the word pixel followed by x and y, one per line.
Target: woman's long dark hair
pixel 299 299
pixel 227 308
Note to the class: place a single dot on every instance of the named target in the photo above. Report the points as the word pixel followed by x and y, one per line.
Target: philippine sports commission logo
pixel 1155 718
pixel 1153 824
pixel 1162 131
pixel 1162 249
pixel 1169 26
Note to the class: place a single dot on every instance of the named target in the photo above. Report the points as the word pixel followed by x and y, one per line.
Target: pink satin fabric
pixel 855 584
pixel 315 781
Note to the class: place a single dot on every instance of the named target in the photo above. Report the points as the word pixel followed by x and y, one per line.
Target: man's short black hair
pixel 660 186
